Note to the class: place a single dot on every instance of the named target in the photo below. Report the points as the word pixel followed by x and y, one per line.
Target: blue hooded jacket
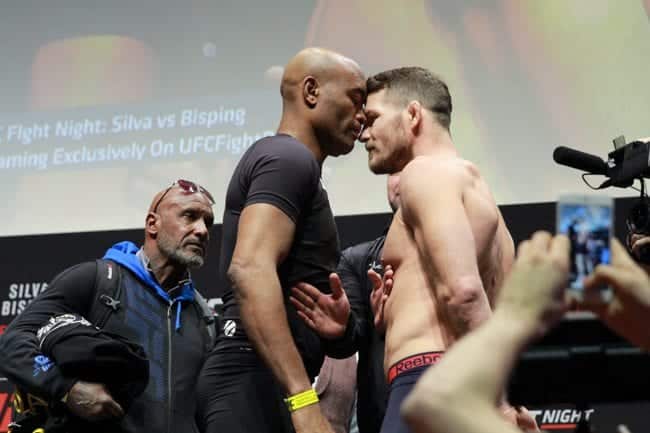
pixel 124 253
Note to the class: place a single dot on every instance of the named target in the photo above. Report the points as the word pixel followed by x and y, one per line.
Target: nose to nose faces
pixel 365 135
pixel 361 117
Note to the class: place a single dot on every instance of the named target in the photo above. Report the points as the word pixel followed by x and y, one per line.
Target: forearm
pixel 264 317
pixel 459 381
pixel 438 415
pixel 502 339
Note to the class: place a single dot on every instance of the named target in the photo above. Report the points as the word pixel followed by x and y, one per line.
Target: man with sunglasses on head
pixel 278 229
pixel 143 294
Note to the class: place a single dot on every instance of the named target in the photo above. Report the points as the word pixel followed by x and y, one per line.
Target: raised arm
pixel 433 209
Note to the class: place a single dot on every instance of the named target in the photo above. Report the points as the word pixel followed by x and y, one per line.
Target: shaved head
pixel 156 199
pixel 171 195
pixel 320 63
pixel 323 93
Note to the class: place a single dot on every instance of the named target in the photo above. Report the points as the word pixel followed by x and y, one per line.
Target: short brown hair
pixel 415 83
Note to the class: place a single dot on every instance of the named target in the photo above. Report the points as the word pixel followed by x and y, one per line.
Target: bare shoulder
pixel 438 172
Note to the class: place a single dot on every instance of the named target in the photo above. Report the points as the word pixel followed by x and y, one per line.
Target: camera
pixel 624 165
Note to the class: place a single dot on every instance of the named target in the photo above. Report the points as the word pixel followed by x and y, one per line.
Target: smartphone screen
pixel 587 222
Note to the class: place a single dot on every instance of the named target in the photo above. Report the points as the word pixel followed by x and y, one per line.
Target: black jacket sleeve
pixel 352 270
pixel 20 360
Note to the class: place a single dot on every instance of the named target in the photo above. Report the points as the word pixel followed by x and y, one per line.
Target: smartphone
pixel 588 222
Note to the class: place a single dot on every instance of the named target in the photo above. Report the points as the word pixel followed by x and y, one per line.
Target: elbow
pixel 12 346
pixel 4 350
pixel 463 294
pixel 9 340
pixel 237 273
pixel 466 304
pixel 241 267
pixel 245 272
pixel 236 269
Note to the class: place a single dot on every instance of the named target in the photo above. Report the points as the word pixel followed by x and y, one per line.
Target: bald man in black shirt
pixel 278 229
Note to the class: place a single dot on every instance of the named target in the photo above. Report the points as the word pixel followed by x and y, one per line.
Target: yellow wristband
pixel 300 400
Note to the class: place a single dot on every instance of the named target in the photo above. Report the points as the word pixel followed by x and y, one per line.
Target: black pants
pixel 237 393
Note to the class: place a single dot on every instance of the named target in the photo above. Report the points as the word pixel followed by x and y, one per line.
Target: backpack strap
pixel 108 289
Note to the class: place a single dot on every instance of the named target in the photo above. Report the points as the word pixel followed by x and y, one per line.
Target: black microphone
pixel 580 160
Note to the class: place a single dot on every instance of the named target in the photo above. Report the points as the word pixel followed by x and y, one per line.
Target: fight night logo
pixel 560 419
pixel 19 296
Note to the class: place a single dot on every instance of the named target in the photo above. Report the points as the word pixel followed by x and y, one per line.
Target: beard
pixel 177 254
pixel 398 157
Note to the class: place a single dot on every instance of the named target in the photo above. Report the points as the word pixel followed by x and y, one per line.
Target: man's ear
pixel 414 116
pixel 310 91
pixel 151 224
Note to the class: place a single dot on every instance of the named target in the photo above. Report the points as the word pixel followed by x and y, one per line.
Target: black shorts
pixel 402 376
pixel 237 393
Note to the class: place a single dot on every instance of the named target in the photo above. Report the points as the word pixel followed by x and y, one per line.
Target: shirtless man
pixel 447 250
pixel 448 246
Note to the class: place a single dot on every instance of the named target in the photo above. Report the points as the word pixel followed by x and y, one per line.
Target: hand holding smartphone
pixel 588 222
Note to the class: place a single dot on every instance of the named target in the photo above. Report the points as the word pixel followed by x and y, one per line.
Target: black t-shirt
pixel 281 171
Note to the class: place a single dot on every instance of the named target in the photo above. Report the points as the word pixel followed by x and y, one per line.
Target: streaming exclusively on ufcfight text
pixel 125 137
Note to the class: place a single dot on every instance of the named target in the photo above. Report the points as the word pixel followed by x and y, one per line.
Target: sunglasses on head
pixel 188 187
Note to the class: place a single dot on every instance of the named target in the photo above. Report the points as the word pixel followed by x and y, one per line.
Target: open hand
pixel 326 314
pixel 381 288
